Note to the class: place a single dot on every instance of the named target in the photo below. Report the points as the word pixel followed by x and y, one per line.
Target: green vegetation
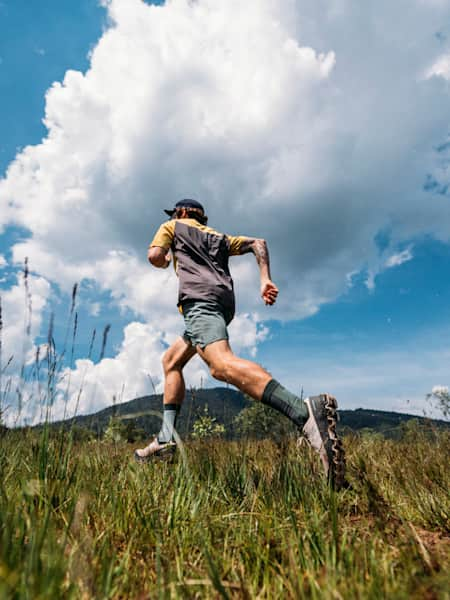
pixel 259 421
pixel 229 519
pixel 206 426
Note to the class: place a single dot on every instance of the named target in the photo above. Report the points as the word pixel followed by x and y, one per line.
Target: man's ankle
pixel 285 402
pixel 170 415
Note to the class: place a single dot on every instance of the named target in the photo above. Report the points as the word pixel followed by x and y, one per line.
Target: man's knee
pixel 220 360
pixel 219 369
pixel 218 373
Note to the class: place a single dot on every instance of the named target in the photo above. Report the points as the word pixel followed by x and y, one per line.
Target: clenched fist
pixel 269 292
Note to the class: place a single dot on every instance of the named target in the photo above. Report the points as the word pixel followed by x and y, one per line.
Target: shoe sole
pixel 336 473
pixel 334 449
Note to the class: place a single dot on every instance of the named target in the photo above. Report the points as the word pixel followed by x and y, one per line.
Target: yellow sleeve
pixel 164 236
pixel 236 242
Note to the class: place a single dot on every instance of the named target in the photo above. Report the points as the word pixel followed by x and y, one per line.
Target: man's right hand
pixel 159 257
pixel 269 292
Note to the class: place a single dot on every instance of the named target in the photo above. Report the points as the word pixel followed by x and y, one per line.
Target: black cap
pixel 186 203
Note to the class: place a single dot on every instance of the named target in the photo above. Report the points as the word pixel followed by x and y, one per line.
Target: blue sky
pixel 38 43
pixel 368 320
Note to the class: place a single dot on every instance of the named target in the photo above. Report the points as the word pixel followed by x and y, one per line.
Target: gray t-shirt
pixel 201 260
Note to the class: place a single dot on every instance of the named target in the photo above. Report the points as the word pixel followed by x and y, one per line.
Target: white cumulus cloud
pixel 440 68
pixel 21 317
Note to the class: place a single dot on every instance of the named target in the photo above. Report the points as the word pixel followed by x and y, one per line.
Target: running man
pixel 206 300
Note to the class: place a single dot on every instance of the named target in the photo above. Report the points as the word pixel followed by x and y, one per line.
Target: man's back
pixel 201 260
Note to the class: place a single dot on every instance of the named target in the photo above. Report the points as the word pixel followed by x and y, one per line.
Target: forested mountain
pixel 224 404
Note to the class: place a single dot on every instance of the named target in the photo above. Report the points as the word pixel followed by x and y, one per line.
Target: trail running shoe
pixel 156 451
pixel 320 432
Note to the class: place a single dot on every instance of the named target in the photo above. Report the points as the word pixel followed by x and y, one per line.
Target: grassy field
pixel 226 520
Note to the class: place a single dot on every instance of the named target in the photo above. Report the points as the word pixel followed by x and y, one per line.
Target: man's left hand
pixel 269 292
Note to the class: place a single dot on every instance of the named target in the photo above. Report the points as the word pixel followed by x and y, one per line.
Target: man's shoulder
pixel 165 234
pixel 196 225
pixel 167 225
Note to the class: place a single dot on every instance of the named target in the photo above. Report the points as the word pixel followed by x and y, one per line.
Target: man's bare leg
pixel 247 376
pixel 174 360
pixel 252 379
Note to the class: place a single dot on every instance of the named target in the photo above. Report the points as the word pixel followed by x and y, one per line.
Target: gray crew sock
pixel 169 421
pixel 282 400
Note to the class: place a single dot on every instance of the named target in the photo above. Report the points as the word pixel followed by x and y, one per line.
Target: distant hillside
pixel 384 422
pixel 225 404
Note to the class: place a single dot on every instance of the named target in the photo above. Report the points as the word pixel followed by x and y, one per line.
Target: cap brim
pixel 169 211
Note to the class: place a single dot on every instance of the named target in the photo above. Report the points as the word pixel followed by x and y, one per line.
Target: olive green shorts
pixel 205 322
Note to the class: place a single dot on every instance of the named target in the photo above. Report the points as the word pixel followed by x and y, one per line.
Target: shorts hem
pixel 204 343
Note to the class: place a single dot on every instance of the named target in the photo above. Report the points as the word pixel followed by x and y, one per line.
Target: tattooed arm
pixel 269 290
